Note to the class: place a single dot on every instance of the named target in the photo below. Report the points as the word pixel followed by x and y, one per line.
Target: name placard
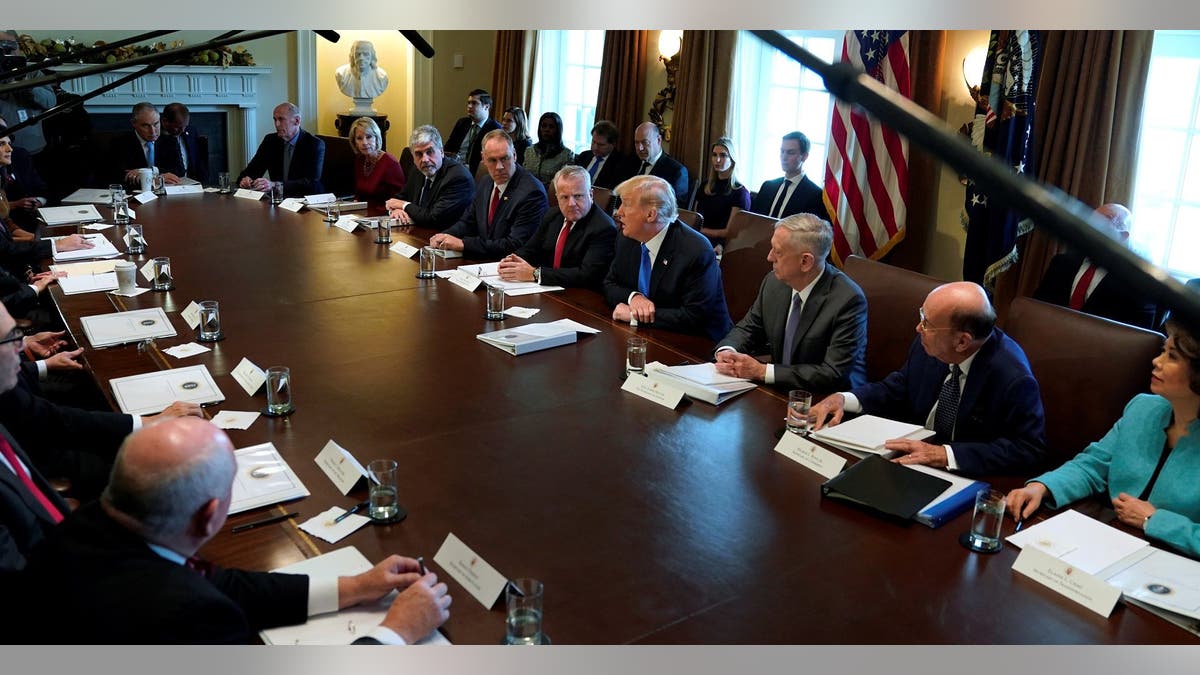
pixel 291 204
pixel 465 280
pixel 652 389
pixel 347 223
pixel 1067 580
pixel 247 193
pixel 191 314
pixel 341 467
pixel 810 455
pixel 145 197
pixel 480 579
pixel 404 249
pixel 147 270
pixel 250 376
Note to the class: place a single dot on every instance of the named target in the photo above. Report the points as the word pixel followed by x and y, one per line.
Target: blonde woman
pixel 721 192
pixel 377 175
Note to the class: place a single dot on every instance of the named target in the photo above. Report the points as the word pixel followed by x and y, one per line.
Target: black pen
pixel 421 562
pixel 357 507
pixel 264 521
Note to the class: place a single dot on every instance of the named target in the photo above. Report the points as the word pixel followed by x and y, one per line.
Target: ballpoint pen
pixel 421 563
pixel 264 521
pixel 1019 524
pixel 357 507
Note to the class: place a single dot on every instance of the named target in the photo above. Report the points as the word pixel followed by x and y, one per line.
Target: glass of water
pixel 984 536
pixel 210 321
pixel 224 184
pixel 276 193
pixel 279 391
pixel 385 483
pixel 116 194
pixel 495 304
pixel 383 233
pixel 158 184
pixel 799 403
pixel 523 625
pixel 162 279
pixel 428 263
pixel 635 355
pixel 136 241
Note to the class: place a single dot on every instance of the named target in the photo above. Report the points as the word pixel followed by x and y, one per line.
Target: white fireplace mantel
pixel 232 90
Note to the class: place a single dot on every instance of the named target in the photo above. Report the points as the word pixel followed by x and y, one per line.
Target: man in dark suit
pixel 509 203
pixel 607 166
pixel 965 379
pixel 465 142
pixel 178 148
pixel 573 246
pixel 438 200
pixel 291 155
pixel 647 141
pixel 794 192
pixel 134 550
pixel 808 316
pixel 664 274
pixel 1074 281
pixel 137 149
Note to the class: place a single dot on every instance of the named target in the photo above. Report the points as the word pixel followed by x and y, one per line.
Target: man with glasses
pixel 966 380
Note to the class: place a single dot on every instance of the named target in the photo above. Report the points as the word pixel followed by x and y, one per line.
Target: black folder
pixel 892 490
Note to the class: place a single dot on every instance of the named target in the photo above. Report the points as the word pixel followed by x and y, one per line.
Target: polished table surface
pixel 647 525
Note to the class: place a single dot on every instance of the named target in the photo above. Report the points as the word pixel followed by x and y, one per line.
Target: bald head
pixel 966 305
pixel 1119 220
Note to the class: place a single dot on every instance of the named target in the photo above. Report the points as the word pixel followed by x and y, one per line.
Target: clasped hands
pixel 395 209
pixel 514 268
pixel 638 308
pixel 732 363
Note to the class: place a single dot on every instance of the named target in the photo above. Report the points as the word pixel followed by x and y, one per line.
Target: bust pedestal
pixel 343 123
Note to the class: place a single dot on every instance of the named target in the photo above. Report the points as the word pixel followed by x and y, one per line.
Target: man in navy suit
pixel 138 148
pixel 509 203
pixel 1074 281
pixel 465 142
pixel 178 148
pixel 607 166
pixel 808 316
pixel 300 176
pixel 436 200
pixel 647 141
pixel 664 274
pixel 965 379
pixel 794 192
pixel 574 244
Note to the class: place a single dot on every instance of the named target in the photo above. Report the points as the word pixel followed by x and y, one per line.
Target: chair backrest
pixel 338 173
pixel 603 197
pixel 691 219
pixel 1087 368
pixel 407 163
pixel 893 295
pixel 744 262
pixel 551 195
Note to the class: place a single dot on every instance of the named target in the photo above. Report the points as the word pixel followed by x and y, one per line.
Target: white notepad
pixel 75 213
pixel 263 477
pixel 88 283
pixel 101 248
pixel 105 330
pixel 867 434
pixel 151 393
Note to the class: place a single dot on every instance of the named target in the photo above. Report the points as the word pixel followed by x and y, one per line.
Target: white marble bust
pixel 362 79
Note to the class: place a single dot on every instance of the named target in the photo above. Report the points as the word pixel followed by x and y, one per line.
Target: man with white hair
pixel 291 155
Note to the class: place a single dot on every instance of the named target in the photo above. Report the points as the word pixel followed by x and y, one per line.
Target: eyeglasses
pixel 924 323
pixel 16 335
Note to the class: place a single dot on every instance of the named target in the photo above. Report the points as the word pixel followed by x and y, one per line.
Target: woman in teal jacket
pixel 1148 463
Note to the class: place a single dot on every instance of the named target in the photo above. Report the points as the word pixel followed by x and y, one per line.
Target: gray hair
pixel 810 232
pixel 573 172
pixel 292 110
pixel 499 134
pixel 650 191
pixel 141 106
pixel 424 135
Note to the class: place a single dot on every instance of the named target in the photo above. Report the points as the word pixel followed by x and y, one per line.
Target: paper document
pixel 88 283
pixel 1078 540
pixel 97 227
pixel 63 215
pixel 323 198
pixel 150 393
pixel 101 248
pixel 322 525
pixel 145 197
pixel 528 338
pixel 491 269
pixel 185 189
pixel 263 477
pixel 867 433
pixel 89 196
pixel 517 288
pixel 575 326
pixel 235 419
pixel 521 312
pixel 1161 579
pixel 347 625
pixel 85 268
pixel 186 349
pixel 105 330
pixel 701 381
pixel 705 373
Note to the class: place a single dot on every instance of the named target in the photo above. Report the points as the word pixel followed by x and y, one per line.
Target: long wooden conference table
pixel 647 525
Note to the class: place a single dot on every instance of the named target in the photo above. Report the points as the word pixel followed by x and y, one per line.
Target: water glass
pixel 137 243
pixel 224 183
pixel 428 263
pixel 277 193
pixel 210 321
pixel 635 355
pixel 985 522
pixel 523 625
pixel 383 232
pixel 279 390
pixel 495 304
pixel 799 403
pixel 332 211
pixel 158 184
pixel 121 210
pixel 162 279
pixel 116 194
pixel 385 483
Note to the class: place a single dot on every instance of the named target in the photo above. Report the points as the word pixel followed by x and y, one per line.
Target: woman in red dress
pixel 377 175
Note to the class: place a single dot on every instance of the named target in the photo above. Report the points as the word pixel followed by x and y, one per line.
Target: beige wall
pixel 450 84
pixel 395 57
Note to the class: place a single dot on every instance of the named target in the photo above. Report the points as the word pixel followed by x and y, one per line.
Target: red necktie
pixel 561 244
pixel 1079 295
pixel 492 207
pixel 7 451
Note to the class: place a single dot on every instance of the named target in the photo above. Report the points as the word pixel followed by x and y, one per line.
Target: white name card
pixel 653 389
pixel 809 454
pixel 250 376
pixel 191 314
pixel 185 189
pixel 404 249
pixel 291 204
pixel 464 279
pixel 1067 580
pixel 145 197
pixel 480 579
pixel 347 223
pixel 247 193
pixel 323 198
pixel 147 270
pixel 341 467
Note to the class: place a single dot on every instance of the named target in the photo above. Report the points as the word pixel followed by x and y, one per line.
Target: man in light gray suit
pixel 808 316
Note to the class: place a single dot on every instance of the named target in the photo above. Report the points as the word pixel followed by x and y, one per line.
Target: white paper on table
pixel 323 198
pixel 85 268
pixel 545 329
pixel 150 393
pixel 97 227
pixel 250 376
pixel 89 196
pixel 464 280
pixel 521 312
pixel 867 434
pixel 130 236
pixel 193 189
pixel 103 330
pixel 186 349
pixel 347 625
pixel 212 189
pixel 291 204
pixel 575 326
pixel 1078 540
pixel 491 269
pixel 235 419
pixel 404 249
pixel 704 373
pixel 1162 579
pixel 145 197
pixel 444 274
pixel 247 193
pixel 322 525
pixel 64 215
pixel 101 248
pixel 191 314
pixel 518 287
pixel 137 290
pixel 262 478
pixel 88 283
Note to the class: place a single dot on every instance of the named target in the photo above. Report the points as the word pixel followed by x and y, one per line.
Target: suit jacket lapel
pixel 15 484
pixel 665 254
pixel 812 306
pixel 975 377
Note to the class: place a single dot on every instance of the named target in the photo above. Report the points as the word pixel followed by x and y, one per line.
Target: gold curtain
pixel 623 81
pixel 1089 109
pixel 702 97
pixel 513 72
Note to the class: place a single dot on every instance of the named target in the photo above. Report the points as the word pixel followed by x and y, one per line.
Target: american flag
pixel 866 175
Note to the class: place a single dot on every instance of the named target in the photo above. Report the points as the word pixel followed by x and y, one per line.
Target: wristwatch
pixel 537 275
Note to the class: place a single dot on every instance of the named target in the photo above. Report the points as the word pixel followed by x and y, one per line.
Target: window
pixel 774 95
pixel 1166 192
pixel 566 80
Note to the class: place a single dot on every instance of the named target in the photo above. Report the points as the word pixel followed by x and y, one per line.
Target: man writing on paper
pixel 965 379
pixel 574 244
pixel 809 316
pixel 438 199
pixel 133 552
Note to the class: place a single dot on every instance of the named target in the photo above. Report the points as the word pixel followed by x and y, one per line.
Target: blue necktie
pixel 595 167
pixel 150 154
pixel 790 329
pixel 644 273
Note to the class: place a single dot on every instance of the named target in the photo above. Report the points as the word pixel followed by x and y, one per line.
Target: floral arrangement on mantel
pixel 217 56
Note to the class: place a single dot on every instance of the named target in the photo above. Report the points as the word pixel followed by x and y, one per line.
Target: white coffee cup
pixel 126 276
pixel 145 176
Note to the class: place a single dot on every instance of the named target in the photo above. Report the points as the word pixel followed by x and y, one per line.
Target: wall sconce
pixel 972 69
pixel 669 42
